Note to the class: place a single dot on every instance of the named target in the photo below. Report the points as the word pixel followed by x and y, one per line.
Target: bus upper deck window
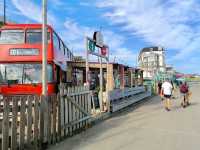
pixel 35 36
pixel 11 36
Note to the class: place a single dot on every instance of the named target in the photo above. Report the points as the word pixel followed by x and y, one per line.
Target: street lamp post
pixel 44 48
pixel 43 114
pixel 4 11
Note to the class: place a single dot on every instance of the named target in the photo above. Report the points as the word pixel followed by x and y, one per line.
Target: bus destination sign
pixel 24 52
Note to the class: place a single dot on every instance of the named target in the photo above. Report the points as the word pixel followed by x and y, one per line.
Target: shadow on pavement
pixel 116 119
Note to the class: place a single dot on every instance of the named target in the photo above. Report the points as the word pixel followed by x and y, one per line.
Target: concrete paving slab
pixel 148 127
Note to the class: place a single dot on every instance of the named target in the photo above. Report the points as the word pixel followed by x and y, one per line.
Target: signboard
pixel 104 50
pixel 24 52
pixel 98 38
pixel 90 45
pixel 92 48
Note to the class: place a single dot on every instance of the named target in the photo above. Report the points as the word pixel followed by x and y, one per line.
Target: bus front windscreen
pixel 34 36
pixel 11 36
pixel 23 73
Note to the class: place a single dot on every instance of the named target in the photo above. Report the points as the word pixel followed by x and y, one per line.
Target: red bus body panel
pixel 53 56
pixel 25 89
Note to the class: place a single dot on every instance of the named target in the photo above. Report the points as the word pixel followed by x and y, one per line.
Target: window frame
pixel 49 65
pixel 24 34
pixel 57 47
pixel 48 35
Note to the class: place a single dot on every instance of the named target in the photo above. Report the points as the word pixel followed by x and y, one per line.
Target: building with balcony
pixel 152 61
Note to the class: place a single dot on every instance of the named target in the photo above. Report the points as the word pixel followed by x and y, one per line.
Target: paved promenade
pixel 147 127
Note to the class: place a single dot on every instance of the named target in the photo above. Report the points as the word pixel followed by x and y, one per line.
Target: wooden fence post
pixel 55 118
pixel 62 114
pixel 49 111
pixel 14 123
pixel 36 121
pixel 70 111
pixel 22 122
pixel 78 111
pixel 85 104
pixel 45 115
pixel 59 116
pixel 5 128
pixel 73 109
pixel 41 136
pixel 89 105
pixel 66 112
pixel 29 120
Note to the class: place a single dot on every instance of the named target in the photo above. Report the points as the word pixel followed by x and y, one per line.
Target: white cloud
pixel 190 65
pixel 28 9
pixel 1 6
pixel 56 2
pixel 85 3
pixel 167 23
pixel 75 34
pixel 32 11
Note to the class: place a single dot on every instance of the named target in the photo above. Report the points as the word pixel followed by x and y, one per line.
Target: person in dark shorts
pixel 167 92
pixel 159 87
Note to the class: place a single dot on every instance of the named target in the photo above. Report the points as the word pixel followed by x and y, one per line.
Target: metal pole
pixel 44 48
pixel 44 71
pixel 131 77
pixel 86 62
pixel 4 12
pixel 107 78
pixel 101 83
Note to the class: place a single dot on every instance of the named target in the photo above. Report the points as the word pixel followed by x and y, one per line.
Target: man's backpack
pixel 184 88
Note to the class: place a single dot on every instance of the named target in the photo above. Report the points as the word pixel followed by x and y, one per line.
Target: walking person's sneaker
pixel 188 103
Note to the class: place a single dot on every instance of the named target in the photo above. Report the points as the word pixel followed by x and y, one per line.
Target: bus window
pixel 23 73
pixel 56 41
pixel 35 36
pixel 62 48
pixel 11 36
pixel 65 50
pixel 68 53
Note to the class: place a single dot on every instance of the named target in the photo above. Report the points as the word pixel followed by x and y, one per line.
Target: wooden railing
pixel 121 98
pixel 32 122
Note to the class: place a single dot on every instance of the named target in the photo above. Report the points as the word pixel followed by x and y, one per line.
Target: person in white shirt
pixel 167 92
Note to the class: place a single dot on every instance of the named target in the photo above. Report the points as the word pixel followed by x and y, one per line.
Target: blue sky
pixel 127 25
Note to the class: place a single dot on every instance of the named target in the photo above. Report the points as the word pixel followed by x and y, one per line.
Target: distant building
pixel 170 70
pixel 152 60
pixel 1 21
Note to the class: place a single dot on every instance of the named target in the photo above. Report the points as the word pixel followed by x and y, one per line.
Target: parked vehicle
pixel 21 59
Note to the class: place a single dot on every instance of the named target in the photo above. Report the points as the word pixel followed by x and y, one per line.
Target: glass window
pixel 56 41
pixel 35 36
pixel 11 37
pixel 65 50
pixel 23 73
pixel 68 53
pixel 62 48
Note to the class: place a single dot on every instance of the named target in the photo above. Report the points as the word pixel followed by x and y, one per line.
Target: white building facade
pixel 152 60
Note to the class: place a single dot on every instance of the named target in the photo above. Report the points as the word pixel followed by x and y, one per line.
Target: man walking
pixel 167 92
pixel 184 90
pixel 159 87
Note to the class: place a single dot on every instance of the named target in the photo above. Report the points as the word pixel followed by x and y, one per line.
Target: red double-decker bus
pixel 21 59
